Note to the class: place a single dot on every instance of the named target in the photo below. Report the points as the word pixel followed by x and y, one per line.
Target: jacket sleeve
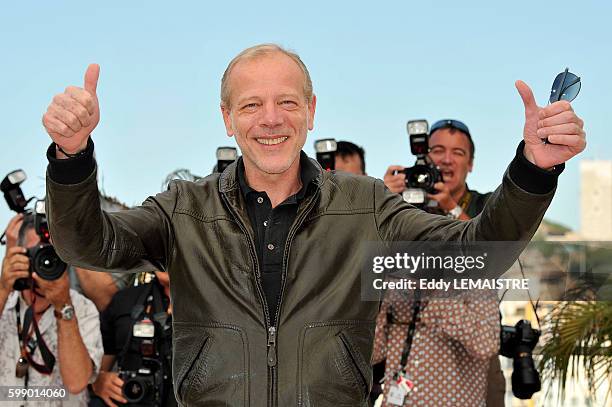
pixel 511 214
pixel 135 240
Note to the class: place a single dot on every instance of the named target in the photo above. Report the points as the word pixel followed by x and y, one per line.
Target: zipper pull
pixel 272 346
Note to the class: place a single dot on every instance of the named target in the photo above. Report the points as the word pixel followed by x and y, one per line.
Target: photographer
pixel 49 335
pixel 350 158
pixel 451 149
pixel 121 345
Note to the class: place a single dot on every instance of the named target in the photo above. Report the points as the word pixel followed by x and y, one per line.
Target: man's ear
pixel 471 165
pixel 311 112
pixel 227 119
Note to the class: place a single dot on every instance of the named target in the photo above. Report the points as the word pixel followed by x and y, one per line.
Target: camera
pixel 11 187
pixel 518 342
pixel 141 386
pixel 144 364
pixel 225 156
pixel 326 153
pixel 421 177
pixel 44 261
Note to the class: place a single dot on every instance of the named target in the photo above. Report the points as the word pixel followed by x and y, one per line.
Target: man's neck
pixel 458 194
pixel 278 187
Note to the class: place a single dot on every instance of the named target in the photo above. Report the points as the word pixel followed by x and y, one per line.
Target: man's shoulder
pixel 197 198
pixel 347 190
pixel 182 186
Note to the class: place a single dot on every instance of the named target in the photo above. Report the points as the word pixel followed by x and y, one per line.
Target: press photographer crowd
pixel 225 289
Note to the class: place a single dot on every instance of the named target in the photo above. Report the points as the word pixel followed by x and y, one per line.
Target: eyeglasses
pixel 446 123
pixel 566 86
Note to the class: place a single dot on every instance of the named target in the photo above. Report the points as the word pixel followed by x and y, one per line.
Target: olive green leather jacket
pixel 225 351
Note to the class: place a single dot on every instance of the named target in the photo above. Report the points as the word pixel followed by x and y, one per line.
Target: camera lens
pixel 46 263
pixel 134 390
pixel 525 377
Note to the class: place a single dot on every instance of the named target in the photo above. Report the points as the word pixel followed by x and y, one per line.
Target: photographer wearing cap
pixel 136 331
pixel 452 151
pixel 49 334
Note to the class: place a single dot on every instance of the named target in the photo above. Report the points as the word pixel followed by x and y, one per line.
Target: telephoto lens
pixel 518 342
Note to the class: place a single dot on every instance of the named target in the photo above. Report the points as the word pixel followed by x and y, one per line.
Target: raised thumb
pixel 527 95
pixel 91 78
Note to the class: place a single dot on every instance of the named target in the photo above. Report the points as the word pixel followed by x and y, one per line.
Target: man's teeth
pixel 271 141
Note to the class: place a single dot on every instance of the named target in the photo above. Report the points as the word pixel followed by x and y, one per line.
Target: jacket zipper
pixel 270 329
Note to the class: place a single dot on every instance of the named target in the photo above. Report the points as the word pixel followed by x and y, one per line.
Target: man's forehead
pixel 444 137
pixel 273 72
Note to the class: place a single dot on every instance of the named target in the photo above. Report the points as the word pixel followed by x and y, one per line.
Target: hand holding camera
pixel 57 291
pixel 12 230
pixel 72 115
pixel 443 197
pixel 15 266
pixel 395 179
pixel 108 386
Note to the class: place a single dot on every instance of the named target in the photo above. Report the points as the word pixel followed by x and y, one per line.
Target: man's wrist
pixel 63 154
pixel 65 312
pixel 73 170
pixel 529 176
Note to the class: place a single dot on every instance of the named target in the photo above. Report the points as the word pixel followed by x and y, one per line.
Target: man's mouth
pixel 447 175
pixel 271 141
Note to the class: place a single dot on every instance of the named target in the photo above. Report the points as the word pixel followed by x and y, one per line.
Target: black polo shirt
pixel 271 227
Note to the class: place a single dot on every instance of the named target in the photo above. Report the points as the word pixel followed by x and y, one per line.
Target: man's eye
pixel 288 103
pixel 250 106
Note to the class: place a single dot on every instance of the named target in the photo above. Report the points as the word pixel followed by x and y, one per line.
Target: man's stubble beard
pixel 261 166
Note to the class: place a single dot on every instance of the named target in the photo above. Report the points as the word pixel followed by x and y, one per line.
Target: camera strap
pixel 25 340
pixel 417 306
pixel 149 301
pixel 465 200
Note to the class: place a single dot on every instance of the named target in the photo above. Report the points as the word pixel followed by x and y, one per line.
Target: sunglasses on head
pixel 446 123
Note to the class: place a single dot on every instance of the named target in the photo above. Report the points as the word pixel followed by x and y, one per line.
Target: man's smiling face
pixel 268 112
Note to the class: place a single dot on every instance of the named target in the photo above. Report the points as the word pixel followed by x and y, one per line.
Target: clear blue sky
pixel 374 66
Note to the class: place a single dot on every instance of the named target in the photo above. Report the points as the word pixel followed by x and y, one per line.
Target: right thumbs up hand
pixel 72 115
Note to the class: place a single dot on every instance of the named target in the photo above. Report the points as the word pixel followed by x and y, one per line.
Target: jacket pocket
pixel 356 368
pixel 333 368
pixel 210 365
pixel 194 359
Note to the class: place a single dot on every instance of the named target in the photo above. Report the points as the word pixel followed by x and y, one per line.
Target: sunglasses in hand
pixel 566 86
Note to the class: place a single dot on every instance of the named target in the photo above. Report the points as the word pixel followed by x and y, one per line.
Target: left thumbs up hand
pixel 556 122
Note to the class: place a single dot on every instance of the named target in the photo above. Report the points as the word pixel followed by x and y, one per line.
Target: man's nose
pixel 271 115
pixel 447 157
